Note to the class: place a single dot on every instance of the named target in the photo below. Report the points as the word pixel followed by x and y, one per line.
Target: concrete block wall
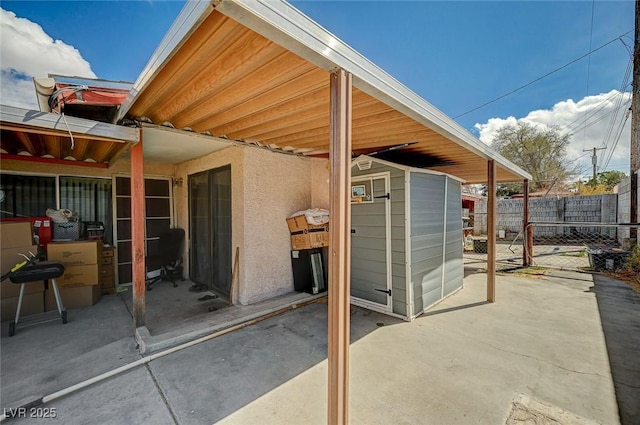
pixel 594 208
pixel 624 207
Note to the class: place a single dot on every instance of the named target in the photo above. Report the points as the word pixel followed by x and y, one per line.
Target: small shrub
pixel 631 270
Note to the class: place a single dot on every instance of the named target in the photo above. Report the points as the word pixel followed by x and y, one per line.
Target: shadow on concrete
pixel 619 307
pixel 460 307
pixel 469 269
pixel 214 379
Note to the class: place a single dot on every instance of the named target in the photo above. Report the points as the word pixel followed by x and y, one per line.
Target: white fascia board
pixel 51 121
pixel 365 158
pixel 191 16
pixel 290 28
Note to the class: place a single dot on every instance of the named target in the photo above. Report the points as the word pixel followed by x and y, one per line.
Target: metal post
pixel 525 230
pixel 635 125
pixel 491 230
pixel 137 233
pixel 339 248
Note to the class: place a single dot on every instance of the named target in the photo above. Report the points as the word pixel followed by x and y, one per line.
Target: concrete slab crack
pixel 162 394
pixel 527 356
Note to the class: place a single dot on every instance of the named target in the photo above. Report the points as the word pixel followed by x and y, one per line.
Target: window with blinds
pixel 90 198
pixel 26 196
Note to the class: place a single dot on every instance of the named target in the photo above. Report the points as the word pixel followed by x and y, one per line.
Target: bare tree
pixel 539 151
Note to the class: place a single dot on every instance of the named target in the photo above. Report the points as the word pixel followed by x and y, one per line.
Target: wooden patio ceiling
pixel 54 146
pixel 233 82
pixel 41 136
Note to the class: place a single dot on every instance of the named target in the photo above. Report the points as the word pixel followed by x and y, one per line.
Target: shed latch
pixel 388 196
pixel 388 291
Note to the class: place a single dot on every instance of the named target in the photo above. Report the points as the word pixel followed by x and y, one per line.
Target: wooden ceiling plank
pixel 9 142
pixel 223 70
pixel 57 133
pixel 26 142
pixel 118 151
pixel 65 147
pixel 305 106
pixel 259 92
pixel 81 149
pixel 52 147
pixel 102 150
pixel 318 126
pixel 195 54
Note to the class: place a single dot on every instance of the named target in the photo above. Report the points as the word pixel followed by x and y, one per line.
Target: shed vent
pixel 364 165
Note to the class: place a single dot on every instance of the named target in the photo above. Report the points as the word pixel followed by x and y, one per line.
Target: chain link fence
pixel 572 246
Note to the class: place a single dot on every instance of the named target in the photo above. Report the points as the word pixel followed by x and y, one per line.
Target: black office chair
pixel 167 265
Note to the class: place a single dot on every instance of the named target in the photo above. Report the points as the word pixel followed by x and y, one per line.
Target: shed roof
pixel 365 159
pixel 258 71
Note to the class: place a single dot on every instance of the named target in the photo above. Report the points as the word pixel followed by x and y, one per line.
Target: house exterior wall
pixel 267 187
pixel 320 175
pixel 275 186
pixel 234 157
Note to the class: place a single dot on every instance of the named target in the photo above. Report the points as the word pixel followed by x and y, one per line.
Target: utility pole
pixel 635 124
pixel 594 162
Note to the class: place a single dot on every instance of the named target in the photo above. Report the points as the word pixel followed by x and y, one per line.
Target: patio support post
pixel 339 248
pixel 526 253
pixel 491 230
pixel 137 233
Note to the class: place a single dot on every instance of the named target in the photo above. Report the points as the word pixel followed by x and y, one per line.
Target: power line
pixel 620 129
pixel 542 77
pixel 584 135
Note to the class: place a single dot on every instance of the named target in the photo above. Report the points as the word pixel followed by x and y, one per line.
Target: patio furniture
pixel 167 265
pixel 32 270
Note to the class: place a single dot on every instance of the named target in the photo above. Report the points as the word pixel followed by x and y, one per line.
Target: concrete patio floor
pixel 567 341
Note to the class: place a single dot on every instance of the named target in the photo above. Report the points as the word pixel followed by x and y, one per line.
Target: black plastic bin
pixel 309 272
pixel 607 260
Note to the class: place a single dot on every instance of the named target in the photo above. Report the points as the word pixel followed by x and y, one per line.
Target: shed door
pixel 371 241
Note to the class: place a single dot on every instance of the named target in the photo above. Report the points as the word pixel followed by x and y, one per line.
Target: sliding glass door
pixel 210 229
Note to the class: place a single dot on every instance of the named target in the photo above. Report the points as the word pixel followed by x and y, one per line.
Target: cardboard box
pixel 299 224
pixel 80 297
pixel 86 275
pixel 75 253
pixel 9 257
pixel 31 304
pixel 11 290
pixel 310 239
pixel 16 234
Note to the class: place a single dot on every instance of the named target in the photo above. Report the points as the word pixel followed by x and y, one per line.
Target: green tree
pixel 539 151
pixel 610 178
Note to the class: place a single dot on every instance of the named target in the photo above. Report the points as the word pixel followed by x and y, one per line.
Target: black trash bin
pixel 308 271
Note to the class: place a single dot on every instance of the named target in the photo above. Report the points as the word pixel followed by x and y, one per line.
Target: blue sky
pixel 455 54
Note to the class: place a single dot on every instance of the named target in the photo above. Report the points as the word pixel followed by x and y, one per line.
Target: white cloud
pixel 594 121
pixel 26 51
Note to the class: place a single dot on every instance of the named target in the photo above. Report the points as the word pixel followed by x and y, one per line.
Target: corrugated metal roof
pixel 38 134
pixel 258 71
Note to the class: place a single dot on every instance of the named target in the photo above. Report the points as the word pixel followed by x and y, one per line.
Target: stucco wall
pixel 266 188
pixel 275 186
pixel 320 183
